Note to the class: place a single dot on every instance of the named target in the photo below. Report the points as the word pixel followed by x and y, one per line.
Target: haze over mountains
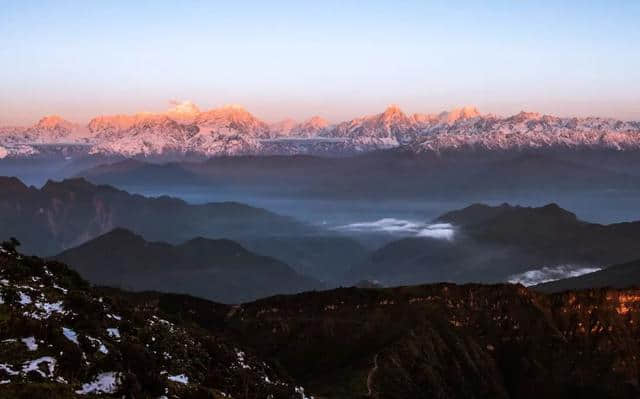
pixel 185 131
pixel 479 243
pixel 491 244
pixel 65 214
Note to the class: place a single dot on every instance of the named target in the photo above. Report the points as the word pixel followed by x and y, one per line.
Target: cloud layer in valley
pixel 550 273
pixel 402 227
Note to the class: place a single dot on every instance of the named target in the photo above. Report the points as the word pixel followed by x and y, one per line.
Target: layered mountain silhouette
pixel 548 232
pixel 66 214
pixel 404 175
pixel 220 270
pixel 492 243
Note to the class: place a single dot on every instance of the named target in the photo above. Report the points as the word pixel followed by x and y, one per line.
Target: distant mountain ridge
pixel 72 211
pixel 220 270
pixel 65 214
pixel 492 243
pixel 186 131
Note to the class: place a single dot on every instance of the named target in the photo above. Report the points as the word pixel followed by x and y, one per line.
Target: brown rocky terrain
pixel 441 340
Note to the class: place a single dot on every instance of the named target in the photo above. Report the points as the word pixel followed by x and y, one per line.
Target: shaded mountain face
pixel 66 214
pixel 62 337
pixel 549 232
pixel 492 244
pixel 405 174
pixel 219 270
pixel 625 275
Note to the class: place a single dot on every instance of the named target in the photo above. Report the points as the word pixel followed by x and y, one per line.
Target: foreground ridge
pixel 62 338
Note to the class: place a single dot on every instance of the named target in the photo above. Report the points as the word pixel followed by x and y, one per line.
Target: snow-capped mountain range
pixel 185 130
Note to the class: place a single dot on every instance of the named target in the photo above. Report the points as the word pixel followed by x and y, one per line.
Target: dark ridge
pixel 220 270
pixel 12 184
pixel 493 243
pixel 441 340
pixel 481 213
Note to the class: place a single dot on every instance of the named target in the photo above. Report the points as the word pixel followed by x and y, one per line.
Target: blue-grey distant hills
pixel 220 270
pixel 65 214
pixel 494 243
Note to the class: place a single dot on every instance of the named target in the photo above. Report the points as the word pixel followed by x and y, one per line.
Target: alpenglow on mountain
pixel 187 131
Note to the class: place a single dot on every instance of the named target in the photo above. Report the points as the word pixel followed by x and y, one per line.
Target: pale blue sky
pixel 338 59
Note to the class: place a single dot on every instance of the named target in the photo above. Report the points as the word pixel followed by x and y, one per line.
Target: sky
pixel 336 59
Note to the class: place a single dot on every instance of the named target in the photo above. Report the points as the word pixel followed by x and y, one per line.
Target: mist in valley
pixel 341 224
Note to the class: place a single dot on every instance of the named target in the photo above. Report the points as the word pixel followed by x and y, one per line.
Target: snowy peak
pixel 392 111
pixel 113 123
pixel 54 122
pixel 50 129
pixel 312 127
pixel 387 129
pixel 283 127
pixel 457 114
pixel 183 111
pixel 425 119
pixel 185 129
pixel 236 118
pixel 528 130
pixel 317 122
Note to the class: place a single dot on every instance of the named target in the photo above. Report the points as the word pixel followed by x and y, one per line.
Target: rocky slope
pixel 450 341
pixel 59 338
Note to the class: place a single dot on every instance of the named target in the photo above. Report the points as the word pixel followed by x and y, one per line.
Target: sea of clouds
pixel 403 228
